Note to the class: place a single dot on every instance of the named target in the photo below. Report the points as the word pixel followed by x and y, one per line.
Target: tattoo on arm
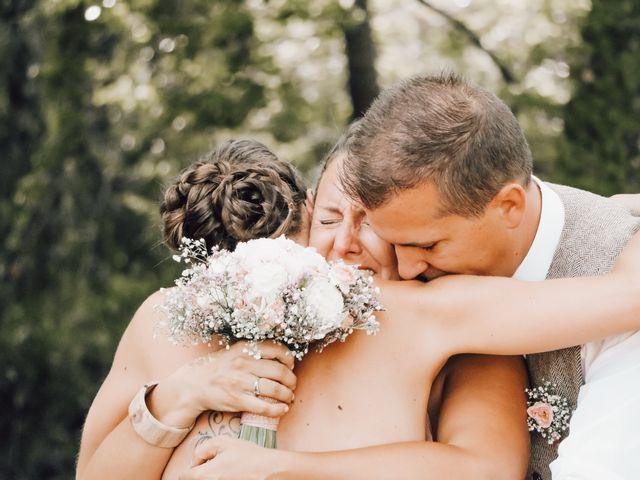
pixel 219 424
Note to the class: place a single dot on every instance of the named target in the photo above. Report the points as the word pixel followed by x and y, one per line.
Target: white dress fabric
pixel 604 440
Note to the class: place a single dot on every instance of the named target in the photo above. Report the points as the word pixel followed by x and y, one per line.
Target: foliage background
pixel 101 103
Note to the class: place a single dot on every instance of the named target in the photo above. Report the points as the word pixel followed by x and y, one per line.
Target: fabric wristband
pixel 150 429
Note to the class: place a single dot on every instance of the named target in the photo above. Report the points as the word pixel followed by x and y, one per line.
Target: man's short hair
pixel 441 129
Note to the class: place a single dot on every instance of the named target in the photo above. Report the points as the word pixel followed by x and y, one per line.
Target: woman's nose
pixel 347 241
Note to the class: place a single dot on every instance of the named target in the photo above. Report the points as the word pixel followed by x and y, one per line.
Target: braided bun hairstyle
pixel 238 192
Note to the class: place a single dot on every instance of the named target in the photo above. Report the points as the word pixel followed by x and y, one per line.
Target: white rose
pixel 261 249
pixel 327 301
pixel 295 259
pixel 266 281
pixel 313 259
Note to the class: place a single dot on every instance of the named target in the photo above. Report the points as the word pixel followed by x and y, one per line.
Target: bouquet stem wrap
pixel 259 429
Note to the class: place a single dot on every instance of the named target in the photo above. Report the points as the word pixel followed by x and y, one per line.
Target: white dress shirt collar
pixel 535 265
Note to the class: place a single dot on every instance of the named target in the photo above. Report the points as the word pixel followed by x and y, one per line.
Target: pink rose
pixel 347 321
pixel 343 276
pixel 267 322
pixel 542 413
pixel 272 315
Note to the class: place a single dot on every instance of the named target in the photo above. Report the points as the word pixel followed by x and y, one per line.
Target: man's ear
pixel 511 203
pixel 310 202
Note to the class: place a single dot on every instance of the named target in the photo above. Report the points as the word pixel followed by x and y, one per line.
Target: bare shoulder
pixel 145 320
pixel 145 347
pixel 412 325
pixel 408 299
pixel 139 343
pixel 431 302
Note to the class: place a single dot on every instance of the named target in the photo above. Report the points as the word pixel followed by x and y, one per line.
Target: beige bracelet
pixel 150 429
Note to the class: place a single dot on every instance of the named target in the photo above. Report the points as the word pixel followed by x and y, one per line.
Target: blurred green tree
pixel 602 121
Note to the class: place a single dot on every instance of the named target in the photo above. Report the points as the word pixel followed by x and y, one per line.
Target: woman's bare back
pixel 369 390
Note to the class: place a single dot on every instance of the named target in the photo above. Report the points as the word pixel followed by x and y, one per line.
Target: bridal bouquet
pixel 267 289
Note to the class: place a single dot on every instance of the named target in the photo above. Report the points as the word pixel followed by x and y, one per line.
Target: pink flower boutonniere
pixel 547 413
pixel 542 413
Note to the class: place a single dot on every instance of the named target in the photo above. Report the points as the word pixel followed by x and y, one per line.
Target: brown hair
pixel 341 147
pixel 237 192
pixel 440 129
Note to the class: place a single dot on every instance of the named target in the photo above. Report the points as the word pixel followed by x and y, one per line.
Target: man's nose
pixel 347 241
pixel 410 263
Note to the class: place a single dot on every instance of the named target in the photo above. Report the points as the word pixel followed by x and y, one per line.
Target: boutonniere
pixel 547 413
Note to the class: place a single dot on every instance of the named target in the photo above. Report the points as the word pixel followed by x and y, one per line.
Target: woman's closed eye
pixel 330 221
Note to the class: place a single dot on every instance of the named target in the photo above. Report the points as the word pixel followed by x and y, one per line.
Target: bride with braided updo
pixel 237 192
pixel 371 405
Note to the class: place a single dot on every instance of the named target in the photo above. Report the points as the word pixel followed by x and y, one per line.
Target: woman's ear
pixel 309 202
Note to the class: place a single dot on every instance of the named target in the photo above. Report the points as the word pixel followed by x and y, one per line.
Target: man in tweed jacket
pixel 445 174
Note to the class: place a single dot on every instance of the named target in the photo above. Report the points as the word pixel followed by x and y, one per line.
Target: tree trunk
pixel 361 56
